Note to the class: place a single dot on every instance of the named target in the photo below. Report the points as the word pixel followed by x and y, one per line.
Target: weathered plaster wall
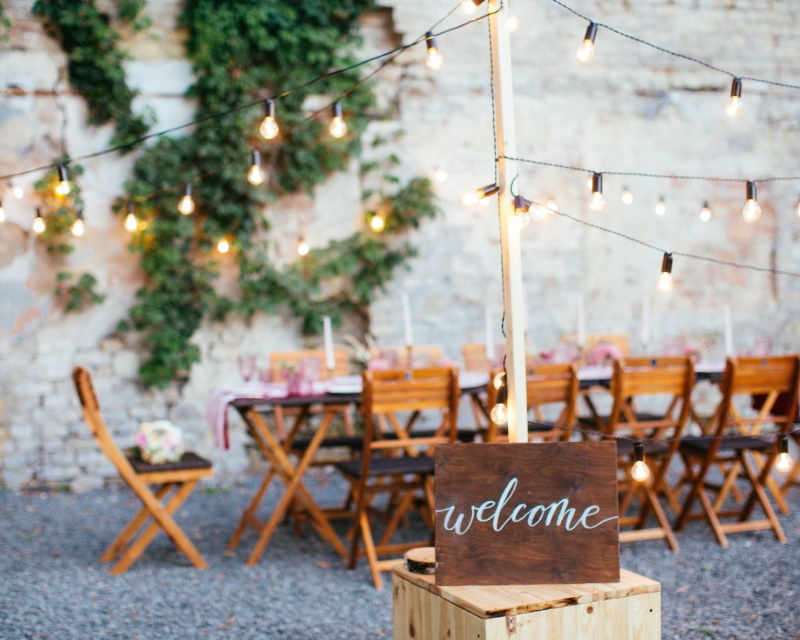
pixel 630 109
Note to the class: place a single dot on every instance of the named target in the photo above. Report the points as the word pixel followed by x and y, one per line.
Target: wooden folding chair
pixel 737 448
pixel 546 385
pixel 635 379
pixel 137 474
pixel 393 463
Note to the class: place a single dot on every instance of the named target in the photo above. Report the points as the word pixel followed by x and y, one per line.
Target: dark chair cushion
pixel 189 460
pixel 351 442
pixel 729 443
pixel 389 466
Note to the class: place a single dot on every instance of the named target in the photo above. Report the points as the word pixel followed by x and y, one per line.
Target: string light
pixel 223 246
pixel 255 175
pixel 627 196
pixel 78 228
pixel 302 247
pixel 269 128
pixel 597 202
pixel 488 190
pixel 470 198
pixel 784 462
pixel 734 106
pixel 705 212
pixel 661 208
pixel 665 281
pixel 440 175
pixel 16 190
pixel 186 203
pixel 752 210
pixel 499 412
pixel 499 379
pixel 513 23
pixel 377 223
pixel 62 188
pixel 38 223
pixel 433 59
pixel 338 126
pixel 639 471
pixel 585 52
pixel 131 223
pixel 521 211
pixel 2 212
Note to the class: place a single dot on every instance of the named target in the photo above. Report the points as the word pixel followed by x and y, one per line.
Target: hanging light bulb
pixel 784 462
pixel 433 59
pixel 523 220
pixel 513 23
pixel 131 223
pixel 376 222
pixel 255 175
pixel 734 106
pixel 488 190
pixel 269 128
pixel 77 228
pixel 639 471
pixel 661 208
pixel 705 212
pixel 338 126
pixel 38 223
pixel 597 202
pixel 499 379
pixel 499 413
pixel 627 196
pixel 586 51
pixel 469 6
pixel 751 211
pixel 665 281
pixel 552 205
pixel 186 203
pixel 223 246
pixel 470 198
pixel 16 190
pixel 440 175
pixel 2 212
pixel 302 246
pixel 62 188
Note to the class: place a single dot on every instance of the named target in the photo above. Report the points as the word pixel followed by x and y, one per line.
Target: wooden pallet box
pixel 626 610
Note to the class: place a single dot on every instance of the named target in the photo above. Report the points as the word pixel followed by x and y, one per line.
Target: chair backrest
pixel 635 377
pixel 770 376
pixel 386 393
pixel 475 359
pixel 279 359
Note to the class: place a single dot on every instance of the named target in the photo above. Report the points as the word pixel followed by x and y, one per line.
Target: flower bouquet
pixel 159 442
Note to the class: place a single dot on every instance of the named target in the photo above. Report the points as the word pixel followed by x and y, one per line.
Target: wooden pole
pixel 509 231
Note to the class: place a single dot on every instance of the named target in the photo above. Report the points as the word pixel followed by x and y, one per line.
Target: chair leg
pixel 369 547
pixel 761 495
pixel 713 520
pixel 400 510
pixel 251 510
pixel 121 541
pixel 661 517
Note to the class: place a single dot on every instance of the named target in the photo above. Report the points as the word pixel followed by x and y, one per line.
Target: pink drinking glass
pixel 247 366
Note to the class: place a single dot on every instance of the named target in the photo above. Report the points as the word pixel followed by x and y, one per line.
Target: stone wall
pixel 631 109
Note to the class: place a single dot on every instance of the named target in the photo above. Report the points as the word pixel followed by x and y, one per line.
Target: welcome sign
pixel 538 513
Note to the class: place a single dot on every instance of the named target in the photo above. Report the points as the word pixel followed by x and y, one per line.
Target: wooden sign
pixel 536 513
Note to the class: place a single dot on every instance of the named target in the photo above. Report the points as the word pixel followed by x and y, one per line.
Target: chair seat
pixel 462 435
pixel 389 466
pixel 729 443
pixel 189 460
pixel 351 442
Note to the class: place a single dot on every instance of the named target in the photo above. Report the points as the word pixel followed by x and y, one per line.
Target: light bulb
pixel 38 223
pixel 513 23
pixel 338 126
pixel 468 7
pixel 752 210
pixel 433 59
pixel 269 128
pixel 499 379
pixel 665 282
pixel 62 188
pixel 470 198
pixel 784 462
pixel 552 205
pixel 302 247
pixel 499 413
pixel 705 212
pixel 661 208
pixel 523 219
pixel 78 228
pixel 640 471
pixel 17 191
pixel 440 175
pixel 223 246
pixel 186 203
pixel 377 223
pixel 488 190
pixel 627 196
pixel 597 202
pixel 255 175
pixel 131 223
pixel 539 213
pixel 585 52
pixel 734 106
pixel 484 202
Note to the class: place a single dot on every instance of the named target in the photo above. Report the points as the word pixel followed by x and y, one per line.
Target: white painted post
pixel 509 232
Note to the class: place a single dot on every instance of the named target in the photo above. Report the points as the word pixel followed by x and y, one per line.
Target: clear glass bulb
pixel 62 188
pixel 2 214
pixel 734 106
pixel 131 223
pixel 499 413
pixel 223 246
pixel 468 7
pixel 665 281
pixel 586 51
pixel 552 205
pixel 269 128
pixel 751 211
pixel 78 228
pixel 499 379
pixel 640 471
pixel 338 127
pixel 38 224
pixel 513 23
pixel 470 198
pixel 377 223
pixel 433 59
pixel 17 191
pixel 303 248
pixel 661 208
pixel 627 197
pixel 539 213
pixel 523 219
pixel 784 462
pixel 484 202
pixel 186 205
pixel 440 175
pixel 255 175
pixel 705 214
pixel 597 202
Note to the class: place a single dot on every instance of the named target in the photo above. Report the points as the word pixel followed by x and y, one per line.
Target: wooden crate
pixel 626 610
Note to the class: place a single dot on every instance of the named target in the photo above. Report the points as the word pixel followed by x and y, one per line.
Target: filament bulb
pixel 627 196
pixel 705 212
pixel 468 7
pixel 131 223
pixel 539 213
pixel 338 126
pixel 661 208
pixel 640 471
pixel 585 52
pixel 269 128
pixel 186 203
pixel 223 246
pixel 499 379
pixel 784 462
pixel 62 188
pixel 78 228
pixel 523 219
pixel 734 106
pixel 377 223
pixel 752 210
pixel 38 223
pixel 552 205
pixel 597 202
pixel 302 247
pixel 433 59
pixel 255 175
pixel 665 281
pixel 499 413
pixel 470 198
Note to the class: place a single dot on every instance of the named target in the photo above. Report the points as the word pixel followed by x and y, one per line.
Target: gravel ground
pixel 53 586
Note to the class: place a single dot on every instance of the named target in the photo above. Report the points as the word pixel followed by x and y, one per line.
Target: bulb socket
pixel 638 452
pixel 62 173
pixel 477 3
pixel 488 190
pixel 736 88
pixel 706 205
pixel 751 191
pixel 337 109
pixel 666 263
pixel 430 41
pixel 255 157
pixel 502 394
pixel 783 444
pixel 187 191
pixel 38 213
pixel 79 214
pixel 269 108
pixel 521 204
pixel 597 183
pixel 130 207
pixel 591 32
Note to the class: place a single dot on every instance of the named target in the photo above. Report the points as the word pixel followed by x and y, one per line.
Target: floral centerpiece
pixel 159 442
